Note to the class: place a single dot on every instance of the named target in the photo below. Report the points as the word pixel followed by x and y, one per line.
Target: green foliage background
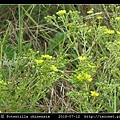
pixel 83 49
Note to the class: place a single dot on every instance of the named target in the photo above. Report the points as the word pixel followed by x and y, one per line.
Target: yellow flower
pixel 39 61
pixel 117 18
pixel 88 77
pixel 118 42
pixel 99 17
pixel 61 12
pixel 90 11
pixel 80 77
pixel 107 31
pixel 94 94
pixel 54 68
pixel 118 32
pixel 97 13
pixel 89 30
pixel 46 56
pixel 91 66
pixel 81 58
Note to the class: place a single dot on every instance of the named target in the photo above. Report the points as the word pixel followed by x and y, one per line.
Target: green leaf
pixel 55 42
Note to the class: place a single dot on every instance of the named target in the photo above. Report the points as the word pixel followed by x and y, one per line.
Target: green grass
pixel 60 61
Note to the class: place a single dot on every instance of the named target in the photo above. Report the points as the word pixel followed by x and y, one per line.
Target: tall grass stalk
pixel 45 35
pixel 2 43
pixel 20 12
pixel 115 99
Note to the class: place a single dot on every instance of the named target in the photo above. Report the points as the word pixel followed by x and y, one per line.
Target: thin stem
pixel 115 99
pixel 20 31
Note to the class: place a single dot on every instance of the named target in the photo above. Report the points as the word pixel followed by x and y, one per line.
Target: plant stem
pixel 20 31
pixel 115 99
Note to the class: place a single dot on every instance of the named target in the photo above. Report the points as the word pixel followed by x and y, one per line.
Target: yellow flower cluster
pixel 38 61
pixel 107 31
pixel 94 94
pixel 61 12
pixel 46 56
pixel 54 68
pixel 88 77
pixel 90 11
pixel 81 58
pixel 83 76
pixel 99 17
pixel 80 77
